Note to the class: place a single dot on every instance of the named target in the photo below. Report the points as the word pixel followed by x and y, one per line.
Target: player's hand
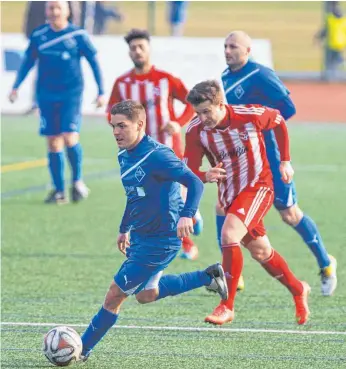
pixel 100 101
pixel 123 242
pixel 286 171
pixel 216 174
pixel 172 128
pixel 13 96
pixel 184 227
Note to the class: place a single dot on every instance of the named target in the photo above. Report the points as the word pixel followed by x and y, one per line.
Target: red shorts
pixel 250 206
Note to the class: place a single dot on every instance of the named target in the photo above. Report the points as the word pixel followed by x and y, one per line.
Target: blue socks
pixel 75 156
pixel 56 169
pixel 220 219
pixel 98 327
pixel 309 232
pixel 171 285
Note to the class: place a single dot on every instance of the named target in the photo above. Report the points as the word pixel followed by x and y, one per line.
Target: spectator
pixel 334 35
pixel 177 16
pixel 95 14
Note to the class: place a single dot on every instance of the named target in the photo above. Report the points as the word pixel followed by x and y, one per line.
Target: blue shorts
pixel 143 271
pixel 59 117
pixel 285 195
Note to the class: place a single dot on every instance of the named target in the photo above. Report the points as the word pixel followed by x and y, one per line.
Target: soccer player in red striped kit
pixel 230 136
pixel 156 90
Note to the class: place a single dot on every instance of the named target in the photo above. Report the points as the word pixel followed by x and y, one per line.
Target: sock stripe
pixel 233 244
pixel 268 259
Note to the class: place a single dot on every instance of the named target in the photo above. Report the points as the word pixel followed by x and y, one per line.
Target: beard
pixel 139 64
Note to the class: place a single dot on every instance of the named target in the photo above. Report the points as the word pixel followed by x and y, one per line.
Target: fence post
pixel 151 17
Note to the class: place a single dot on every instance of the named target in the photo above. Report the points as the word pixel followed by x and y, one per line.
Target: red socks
pixel 187 243
pixel 232 263
pixel 277 267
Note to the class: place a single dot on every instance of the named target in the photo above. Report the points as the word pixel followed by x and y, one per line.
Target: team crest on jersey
pixel 140 174
pixel 239 92
pixel 244 136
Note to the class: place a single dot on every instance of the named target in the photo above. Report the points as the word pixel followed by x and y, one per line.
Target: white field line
pixel 184 329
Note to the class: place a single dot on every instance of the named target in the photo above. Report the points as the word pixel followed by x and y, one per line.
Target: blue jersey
pixel 150 174
pixel 253 84
pixel 59 56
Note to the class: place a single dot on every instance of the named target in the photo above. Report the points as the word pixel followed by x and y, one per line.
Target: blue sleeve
pixel 30 57
pixel 195 189
pixel 124 225
pixel 271 87
pixel 286 107
pixel 89 51
pixel 168 167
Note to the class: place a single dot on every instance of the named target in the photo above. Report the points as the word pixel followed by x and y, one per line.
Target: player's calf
pixel 147 296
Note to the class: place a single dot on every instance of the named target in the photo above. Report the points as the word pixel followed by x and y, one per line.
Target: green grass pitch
pixel 57 263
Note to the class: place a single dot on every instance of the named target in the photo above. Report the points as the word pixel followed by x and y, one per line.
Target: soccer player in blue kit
pixel 248 82
pixel 154 222
pixel 58 46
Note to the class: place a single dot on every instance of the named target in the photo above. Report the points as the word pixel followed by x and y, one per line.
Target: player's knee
pixel 261 253
pixel 55 143
pixel 114 298
pixel 146 296
pixel 71 138
pixel 260 248
pixel 228 235
pixel 292 216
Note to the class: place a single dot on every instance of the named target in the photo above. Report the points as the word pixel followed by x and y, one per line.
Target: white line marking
pixel 184 329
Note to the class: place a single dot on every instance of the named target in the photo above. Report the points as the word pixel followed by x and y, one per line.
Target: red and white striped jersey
pixel 156 91
pixel 237 142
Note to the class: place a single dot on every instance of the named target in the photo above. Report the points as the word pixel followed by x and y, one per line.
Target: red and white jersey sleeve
pixel 194 150
pixel 265 119
pixel 156 91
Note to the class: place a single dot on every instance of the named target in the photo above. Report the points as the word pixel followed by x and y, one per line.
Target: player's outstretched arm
pixel 89 52
pixel 28 62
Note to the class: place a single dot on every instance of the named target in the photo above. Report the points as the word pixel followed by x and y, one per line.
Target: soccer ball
pixel 62 346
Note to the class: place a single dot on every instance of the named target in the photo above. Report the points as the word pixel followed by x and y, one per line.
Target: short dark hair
pixel 209 90
pixel 137 33
pixel 132 110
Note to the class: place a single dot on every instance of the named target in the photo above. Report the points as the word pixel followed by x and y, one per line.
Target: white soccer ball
pixel 62 346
